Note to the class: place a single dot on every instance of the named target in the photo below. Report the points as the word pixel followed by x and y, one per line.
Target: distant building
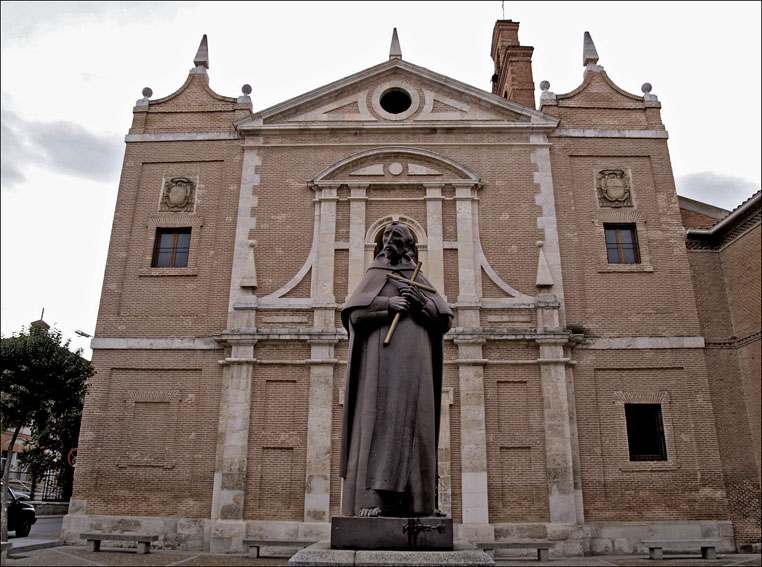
pixel 602 376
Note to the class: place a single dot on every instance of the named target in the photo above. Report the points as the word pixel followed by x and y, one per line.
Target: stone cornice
pixel 486 126
pixel 181 137
pixel 602 133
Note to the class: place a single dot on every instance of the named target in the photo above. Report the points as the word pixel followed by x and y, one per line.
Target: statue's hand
pixel 414 297
pixel 398 304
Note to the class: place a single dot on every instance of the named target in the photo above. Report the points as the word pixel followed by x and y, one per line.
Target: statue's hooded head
pixel 397 242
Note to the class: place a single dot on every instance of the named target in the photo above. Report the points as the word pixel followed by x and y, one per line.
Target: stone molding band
pixel 595 133
pixel 181 137
pixel 644 343
pixel 308 333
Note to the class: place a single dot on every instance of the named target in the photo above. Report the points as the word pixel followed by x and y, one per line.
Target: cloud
pixel 63 147
pixel 24 19
pixel 716 189
pixel 70 148
pixel 12 151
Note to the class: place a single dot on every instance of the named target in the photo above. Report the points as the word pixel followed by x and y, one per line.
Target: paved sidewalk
pixel 70 555
pixel 32 543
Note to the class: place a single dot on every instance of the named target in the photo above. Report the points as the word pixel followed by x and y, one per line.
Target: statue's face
pixel 396 240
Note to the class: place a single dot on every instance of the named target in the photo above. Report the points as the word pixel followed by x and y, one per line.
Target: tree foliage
pixel 42 387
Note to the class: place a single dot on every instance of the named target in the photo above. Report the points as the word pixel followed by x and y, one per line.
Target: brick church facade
pixel 601 380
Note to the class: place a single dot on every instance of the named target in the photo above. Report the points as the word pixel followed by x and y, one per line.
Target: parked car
pixel 21 514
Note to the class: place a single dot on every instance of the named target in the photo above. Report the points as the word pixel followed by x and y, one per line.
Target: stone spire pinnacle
pixel 202 55
pixel 395 51
pixel 589 53
pixel 544 277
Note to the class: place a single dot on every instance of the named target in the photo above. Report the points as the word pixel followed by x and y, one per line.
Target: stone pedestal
pixel 410 534
pixel 320 554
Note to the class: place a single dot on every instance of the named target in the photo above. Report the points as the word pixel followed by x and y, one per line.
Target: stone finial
pixel 395 51
pixel 147 93
pixel 245 98
pixel 546 97
pixel 589 53
pixel 544 277
pixel 202 55
pixel 249 278
pixel 646 88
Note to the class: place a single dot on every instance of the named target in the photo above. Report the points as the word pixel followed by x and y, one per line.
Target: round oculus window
pixel 395 101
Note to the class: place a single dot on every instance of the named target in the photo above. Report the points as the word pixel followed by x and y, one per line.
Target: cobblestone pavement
pixel 68 555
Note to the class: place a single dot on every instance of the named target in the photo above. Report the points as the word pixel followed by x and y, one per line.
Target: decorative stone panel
pixel 613 187
pixel 178 194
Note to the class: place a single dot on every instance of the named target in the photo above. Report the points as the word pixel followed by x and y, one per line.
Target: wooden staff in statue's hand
pixel 413 297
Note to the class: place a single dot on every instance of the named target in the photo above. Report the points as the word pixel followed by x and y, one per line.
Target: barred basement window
pixel 171 247
pixel 622 244
pixel 645 432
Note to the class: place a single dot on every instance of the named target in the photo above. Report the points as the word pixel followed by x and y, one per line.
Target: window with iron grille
pixel 645 432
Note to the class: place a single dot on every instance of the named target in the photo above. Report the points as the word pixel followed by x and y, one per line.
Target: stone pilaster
pixel 243 277
pixel 473 437
pixel 317 493
pixel 577 465
pixel 444 454
pixel 324 263
pixel 467 265
pixel 559 450
pixel 232 449
pixel 547 221
pixel 357 202
pixel 435 261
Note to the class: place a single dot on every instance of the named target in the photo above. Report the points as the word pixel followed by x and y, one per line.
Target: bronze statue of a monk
pixel 393 392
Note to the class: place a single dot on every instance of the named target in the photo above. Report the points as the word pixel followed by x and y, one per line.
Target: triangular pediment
pixel 431 98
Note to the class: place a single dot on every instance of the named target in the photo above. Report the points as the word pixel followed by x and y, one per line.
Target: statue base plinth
pixel 320 554
pixel 415 534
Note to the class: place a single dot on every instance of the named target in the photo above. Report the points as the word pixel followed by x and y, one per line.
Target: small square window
pixel 171 247
pixel 645 432
pixel 622 244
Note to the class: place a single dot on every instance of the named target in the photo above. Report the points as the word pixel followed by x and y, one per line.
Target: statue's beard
pixel 393 253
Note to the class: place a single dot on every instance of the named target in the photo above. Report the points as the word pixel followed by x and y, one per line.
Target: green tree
pixel 48 449
pixel 42 386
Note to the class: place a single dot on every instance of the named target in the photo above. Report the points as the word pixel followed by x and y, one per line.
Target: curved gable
pixel 598 89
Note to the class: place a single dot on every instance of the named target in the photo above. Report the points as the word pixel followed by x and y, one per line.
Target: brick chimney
pixel 513 64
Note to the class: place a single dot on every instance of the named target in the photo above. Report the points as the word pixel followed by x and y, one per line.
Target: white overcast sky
pixel 72 71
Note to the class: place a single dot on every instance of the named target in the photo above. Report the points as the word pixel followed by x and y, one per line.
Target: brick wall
pixel 726 280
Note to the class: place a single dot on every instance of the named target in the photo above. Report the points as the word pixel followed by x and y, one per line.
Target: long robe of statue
pixel 393 391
